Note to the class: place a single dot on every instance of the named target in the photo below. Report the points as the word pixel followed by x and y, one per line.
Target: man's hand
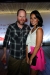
pixel 4 54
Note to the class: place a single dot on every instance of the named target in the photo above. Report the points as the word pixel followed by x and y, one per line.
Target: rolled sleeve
pixel 7 37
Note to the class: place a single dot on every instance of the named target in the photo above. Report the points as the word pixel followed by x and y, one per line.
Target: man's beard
pixel 20 22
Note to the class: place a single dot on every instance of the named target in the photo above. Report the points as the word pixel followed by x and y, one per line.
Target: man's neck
pixel 20 26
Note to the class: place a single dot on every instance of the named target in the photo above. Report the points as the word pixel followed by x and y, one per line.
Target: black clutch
pixel 34 59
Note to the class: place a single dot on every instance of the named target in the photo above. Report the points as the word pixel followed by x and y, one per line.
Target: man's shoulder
pixel 12 24
pixel 27 26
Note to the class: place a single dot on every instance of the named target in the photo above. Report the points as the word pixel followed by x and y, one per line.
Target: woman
pixel 34 44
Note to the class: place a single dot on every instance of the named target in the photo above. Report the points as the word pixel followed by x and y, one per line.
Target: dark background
pixel 24 1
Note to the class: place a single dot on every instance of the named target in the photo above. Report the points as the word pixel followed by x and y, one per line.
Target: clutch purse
pixel 34 59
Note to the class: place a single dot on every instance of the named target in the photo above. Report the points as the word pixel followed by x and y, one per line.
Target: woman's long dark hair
pixel 37 14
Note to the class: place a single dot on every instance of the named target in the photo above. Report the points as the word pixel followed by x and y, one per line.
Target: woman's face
pixel 34 20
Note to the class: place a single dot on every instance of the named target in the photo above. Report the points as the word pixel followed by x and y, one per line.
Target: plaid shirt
pixel 17 38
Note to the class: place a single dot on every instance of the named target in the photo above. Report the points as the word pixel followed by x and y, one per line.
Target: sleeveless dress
pixel 31 42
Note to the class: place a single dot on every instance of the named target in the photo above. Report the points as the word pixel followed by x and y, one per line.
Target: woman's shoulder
pixel 39 30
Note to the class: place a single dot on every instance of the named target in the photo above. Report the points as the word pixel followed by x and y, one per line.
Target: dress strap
pixel 38 27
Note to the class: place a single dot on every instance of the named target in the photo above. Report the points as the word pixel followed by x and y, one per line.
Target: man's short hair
pixel 20 10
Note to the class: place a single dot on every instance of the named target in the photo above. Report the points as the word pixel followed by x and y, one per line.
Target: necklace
pixel 33 30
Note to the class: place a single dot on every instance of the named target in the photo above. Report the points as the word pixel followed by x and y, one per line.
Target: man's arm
pixel 7 37
pixel 29 29
pixel 5 43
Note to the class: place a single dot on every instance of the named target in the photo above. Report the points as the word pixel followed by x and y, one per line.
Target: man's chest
pixel 18 34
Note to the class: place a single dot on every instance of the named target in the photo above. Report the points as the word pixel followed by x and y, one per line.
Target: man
pixel 17 34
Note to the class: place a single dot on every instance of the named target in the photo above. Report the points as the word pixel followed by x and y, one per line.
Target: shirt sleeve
pixel 28 29
pixel 7 37
pixel 27 42
pixel 28 38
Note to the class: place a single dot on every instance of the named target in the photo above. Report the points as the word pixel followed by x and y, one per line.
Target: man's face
pixel 21 18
